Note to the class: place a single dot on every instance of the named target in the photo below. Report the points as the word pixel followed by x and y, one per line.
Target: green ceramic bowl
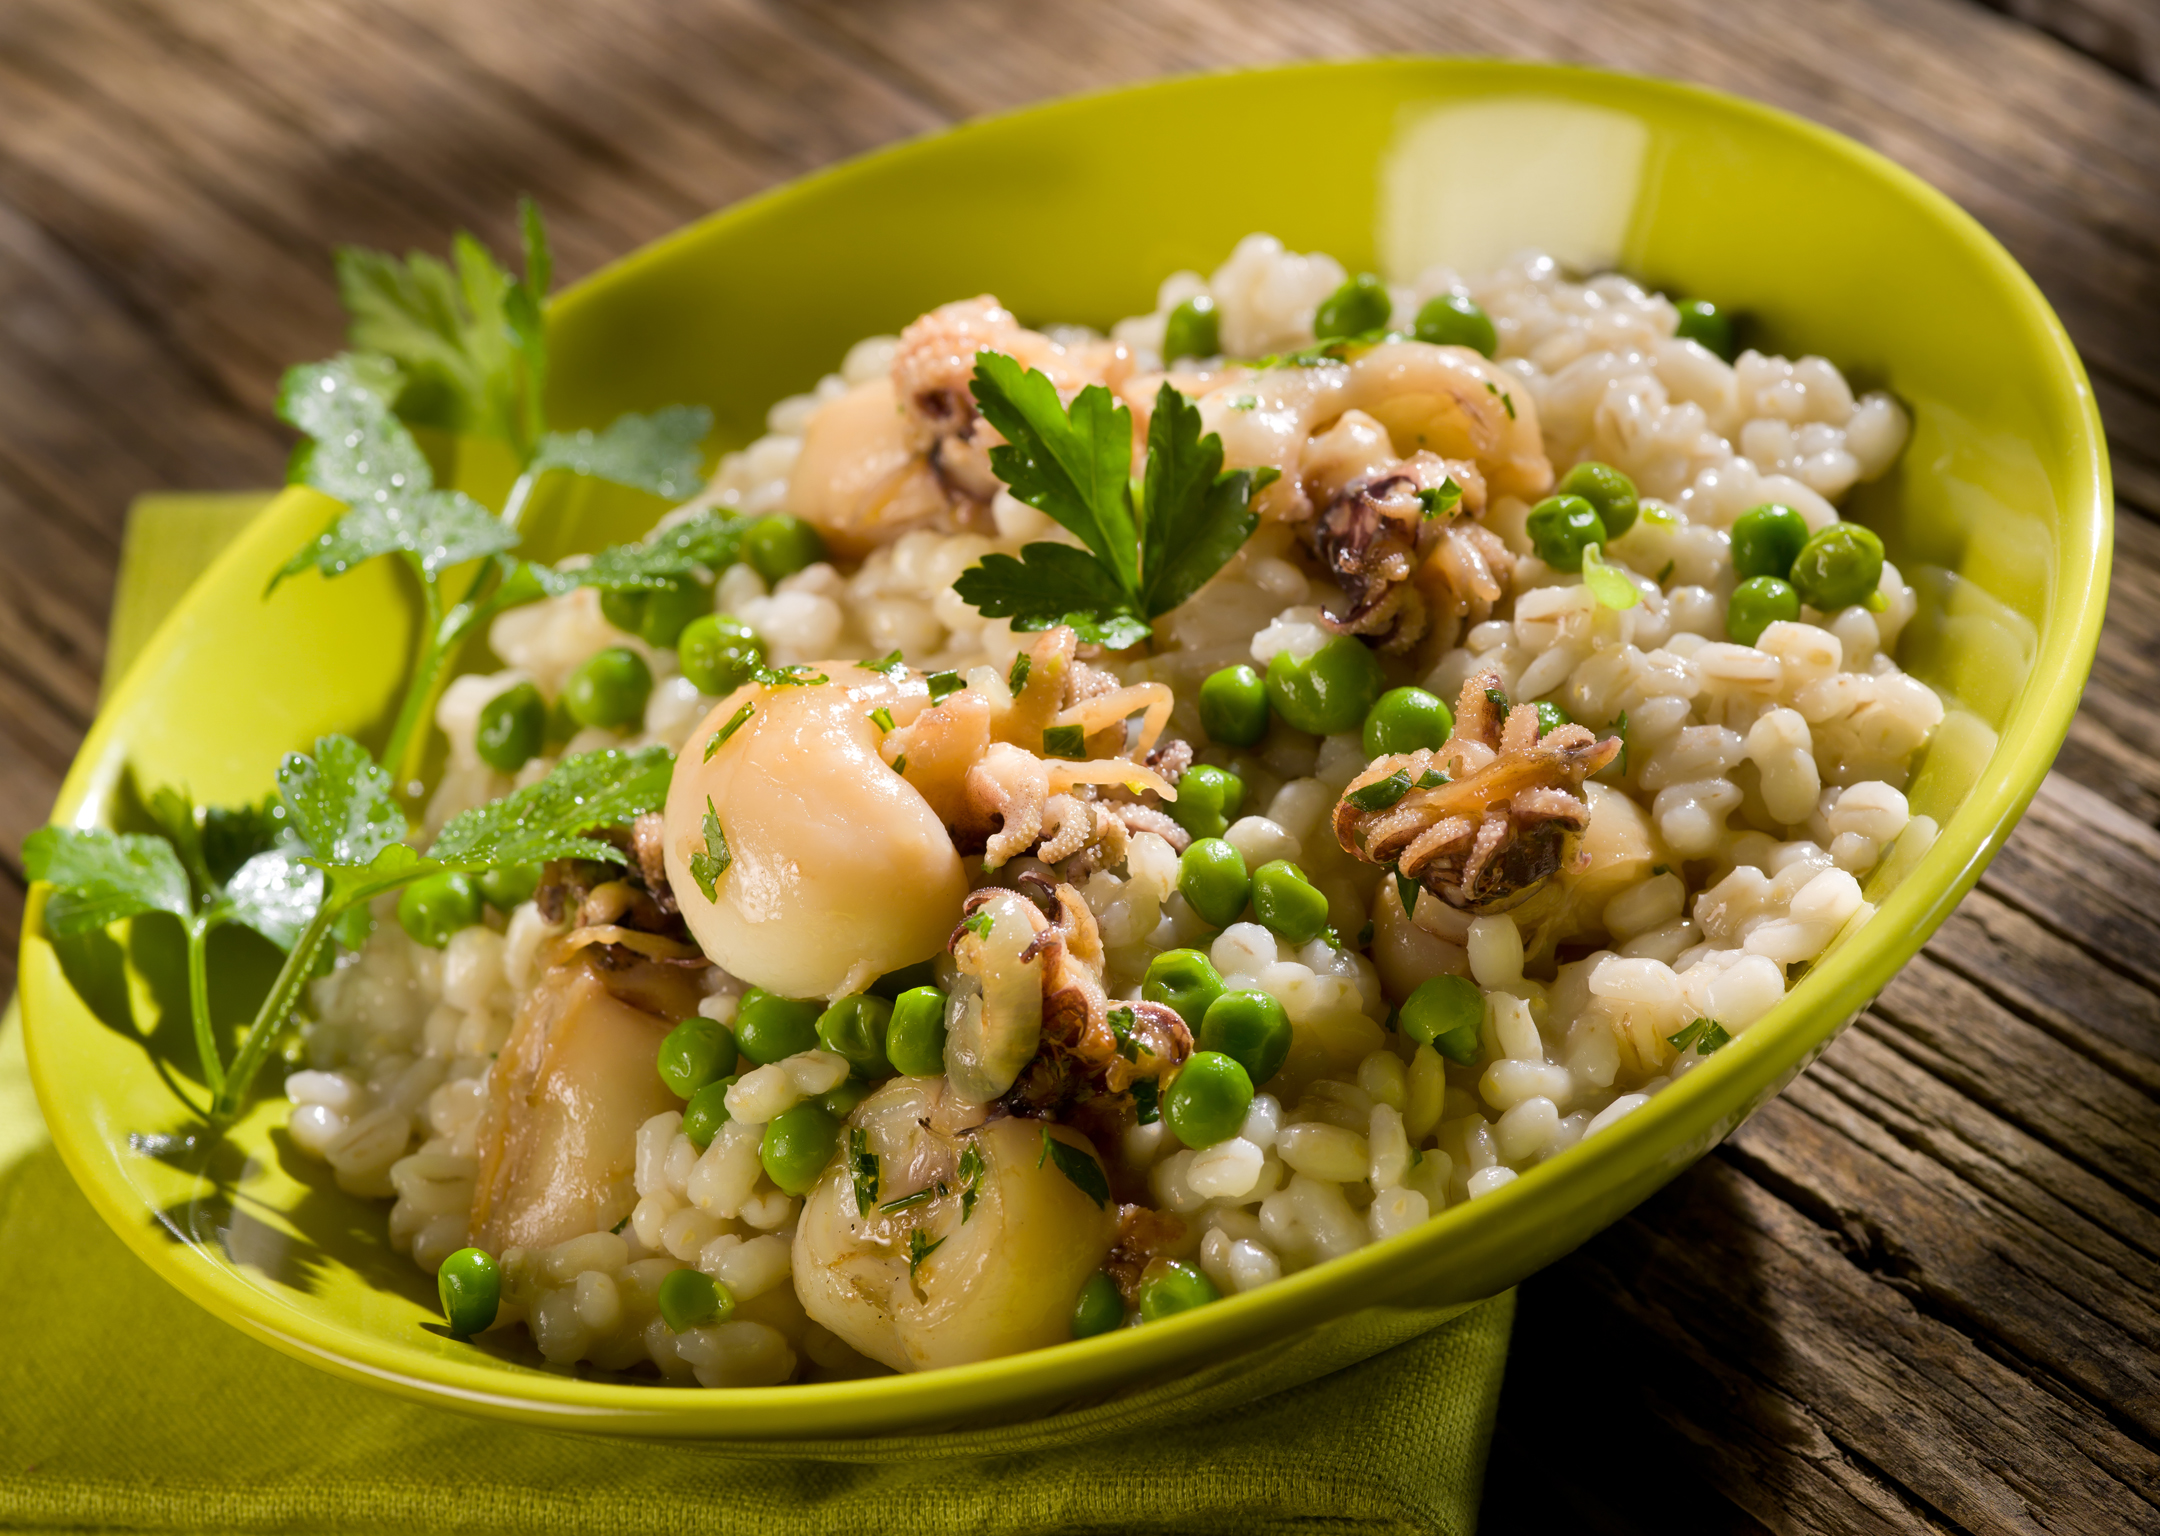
pixel 2000 509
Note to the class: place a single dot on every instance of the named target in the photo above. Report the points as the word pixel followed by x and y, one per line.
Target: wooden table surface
pixel 1920 1291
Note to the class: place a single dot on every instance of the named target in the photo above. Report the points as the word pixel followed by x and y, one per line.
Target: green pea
pixel 1099 1308
pixel 696 1052
pixel 1287 902
pixel 1171 1287
pixel 854 1028
pixel 506 885
pixel 670 609
pixel 718 653
pixel 915 1038
pixel 1766 540
pixel 432 909
pixel 610 689
pixel 798 1144
pixel 1448 1014
pixel 1212 878
pixel 1610 494
pixel 1840 565
pixel 1758 603
pixel 1233 707
pixel 1193 330
pixel 1550 715
pixel 623 607
pixel 840 1102
pixel 706 1112
pixel 1207 1100
pixel 470 1286
pixel 1405 720
pixel 1452 320
pixel 1359 305
pixel 1559 527
pixel 770 1028
pixel 1702 323
pixel 1185 980
pixel 1207 800
pixel 1329 691
pixel 923 973
pixel 512 727
pixel 780 544
pixel 1249 1027
pixel 690 1298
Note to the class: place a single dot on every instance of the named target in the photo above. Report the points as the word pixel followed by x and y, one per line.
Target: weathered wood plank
pixel 2122 34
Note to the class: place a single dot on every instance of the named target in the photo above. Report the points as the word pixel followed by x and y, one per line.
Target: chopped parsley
pixel 885 664
pixel 1705 1035
pixel 1068 741
pixel 899 764
pixel 1017 678
pixel 923 1196
pixel 1406 890
pixel 1146 1101
pixel 1244 402
pixel 736 722
pixel 1381 793
pixel 1364 934
pixel 1081 1168
pixel 1147 545
pixel 710 862
pixel 1497 699
pixel 1122 1021
pixel 920 1247
pixel 1431 778
pixel 863 1166
pixel 971 1173
pixel 1666 574
pixel 1619 729
pixel 979 923
pixel 881 717
pixel 1505 399
pixel 1441 500
pixel 796 675
pixel 943 685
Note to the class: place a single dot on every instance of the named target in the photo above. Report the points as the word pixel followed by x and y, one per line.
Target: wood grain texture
pixel 1915 1294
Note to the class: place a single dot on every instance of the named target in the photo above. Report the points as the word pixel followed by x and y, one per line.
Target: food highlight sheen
pixel 1153 812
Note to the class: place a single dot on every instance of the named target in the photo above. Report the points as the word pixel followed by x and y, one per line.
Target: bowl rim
pixel 1657 1140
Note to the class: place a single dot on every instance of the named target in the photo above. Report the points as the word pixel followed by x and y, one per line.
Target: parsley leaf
pixel 706 542
pixel 887 665
pixel 363 455
pixel 971 1172
pixel 1381 793
pixel 920 1247
pixel 1441 500
pixel 712 861
pixel 102 877
pixel 1121 1021
pixel 863 1168
pixel 1406 890
pixel 1705 1035
pixel 274 893
pixel 1017 678
pixel 656 453
pixel 1148 547
pixel 1067 741
pixel 1147 1101
pixel 342 805
pixel 543 821
pixel 1080 1167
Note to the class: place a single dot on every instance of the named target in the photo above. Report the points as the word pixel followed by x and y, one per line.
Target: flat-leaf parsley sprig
pixel 1150 542
pixel 462 347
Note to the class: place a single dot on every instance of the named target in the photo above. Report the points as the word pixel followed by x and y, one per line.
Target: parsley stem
pixel 198 976
pixel 277 1007
pixel 520 493
pixel 406 751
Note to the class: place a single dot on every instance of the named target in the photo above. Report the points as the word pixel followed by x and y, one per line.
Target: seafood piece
pixel 558 1134
pixel 985 1263
pixel 1487 819
pixel 860 476
pixel 994 1014
pixel 819 833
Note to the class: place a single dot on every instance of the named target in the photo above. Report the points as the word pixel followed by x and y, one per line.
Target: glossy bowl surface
pixel 1999 508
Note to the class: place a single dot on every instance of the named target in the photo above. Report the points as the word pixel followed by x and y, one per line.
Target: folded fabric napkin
pixel 125 1407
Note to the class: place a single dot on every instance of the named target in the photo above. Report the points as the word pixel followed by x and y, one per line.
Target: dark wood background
pixel 1921 1291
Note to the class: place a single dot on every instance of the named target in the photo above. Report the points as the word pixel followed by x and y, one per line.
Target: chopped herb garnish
pixel 1147 1101
pixel 1121 1028
pixel 1244 402
pixel 979 923
pixel 1497 699
pixel 944 685
pixel 735 723
pixel 1381 793
pixel 1505 399
pixel 1705 1035
pixel 1069 741
pixel 1080 1167
pixel 1364 934
pixel 1017 678
pixel 923 1196
pixel 1431 778
pixel 709 863
pixel 1661 869
pixel 881 717
pixel 1666 574
pixel 1148 545
pixel 1406 890
pixel 885 664
pixel 920 1247
pixel 863 1165
pixel 617 1228
pixel 1619 729
pixel 899 764
pixel 1441 500
pixel 796 675
pixel 971 1172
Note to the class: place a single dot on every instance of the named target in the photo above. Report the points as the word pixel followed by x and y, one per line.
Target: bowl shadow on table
pixel 1618 1350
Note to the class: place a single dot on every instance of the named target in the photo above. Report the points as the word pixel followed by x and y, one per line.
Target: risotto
pixel 992 979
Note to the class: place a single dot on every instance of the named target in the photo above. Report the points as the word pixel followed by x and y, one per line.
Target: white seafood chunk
pixel 840 869
pixel 1007 1263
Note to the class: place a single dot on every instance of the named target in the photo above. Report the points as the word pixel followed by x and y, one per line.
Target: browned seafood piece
pixel 558 1134
pixel 1143 1236
pixel 1490 817
pixel 1090 1045
pixel 1380 535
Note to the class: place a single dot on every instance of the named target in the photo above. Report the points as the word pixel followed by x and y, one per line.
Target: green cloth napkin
pixel 125 1407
